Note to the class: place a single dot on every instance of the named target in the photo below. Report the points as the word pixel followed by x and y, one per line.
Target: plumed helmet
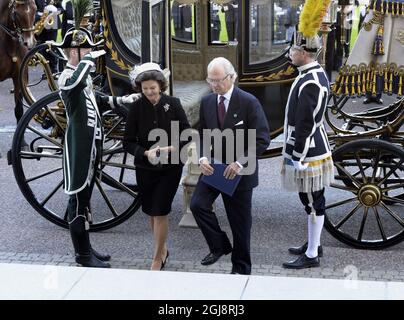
pixel 78 38
pixel 310 44
pixel 311 17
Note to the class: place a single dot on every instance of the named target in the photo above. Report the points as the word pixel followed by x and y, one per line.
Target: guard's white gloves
pixel 96 54
pixel 299 166
pixel 131 98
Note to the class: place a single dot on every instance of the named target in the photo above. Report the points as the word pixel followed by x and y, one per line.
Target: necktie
pixel 222 111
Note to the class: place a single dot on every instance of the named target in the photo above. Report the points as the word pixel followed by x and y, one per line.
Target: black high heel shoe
pixel 163 263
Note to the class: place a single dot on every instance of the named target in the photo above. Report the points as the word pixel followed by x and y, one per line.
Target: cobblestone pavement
pixel 194 266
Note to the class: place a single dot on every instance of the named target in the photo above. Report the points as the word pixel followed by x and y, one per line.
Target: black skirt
pixel 157 189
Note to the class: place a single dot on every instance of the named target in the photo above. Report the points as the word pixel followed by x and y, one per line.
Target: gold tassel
pixel 340 86
pixel 374 84
pixel 359 84
pixel 400 85
pixel 353 93
pixel 386 79
pixel 382 7
pixel 396 9
pixel 402 9
pixel 391 83
pixel 346 85
pixel 364 82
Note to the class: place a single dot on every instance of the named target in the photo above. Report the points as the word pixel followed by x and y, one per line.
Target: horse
pixel 16 37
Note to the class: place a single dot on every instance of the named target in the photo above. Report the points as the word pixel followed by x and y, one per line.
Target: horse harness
pixel 18 31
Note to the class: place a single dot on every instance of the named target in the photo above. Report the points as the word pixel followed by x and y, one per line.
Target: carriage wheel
pixel 37 168
pixel 36 78
pixel 366 208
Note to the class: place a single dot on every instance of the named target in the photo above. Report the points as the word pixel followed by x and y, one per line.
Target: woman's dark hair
pixel 151 75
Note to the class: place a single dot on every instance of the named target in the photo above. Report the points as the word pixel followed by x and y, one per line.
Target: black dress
pixel 157 184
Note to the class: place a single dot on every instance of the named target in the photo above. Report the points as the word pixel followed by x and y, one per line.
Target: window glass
pixel 128 21
pixel 183 21
pixel 271 27
pixel 157 32
pixel 223 20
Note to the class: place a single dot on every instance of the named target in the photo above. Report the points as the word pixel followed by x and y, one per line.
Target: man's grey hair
pixel 225 64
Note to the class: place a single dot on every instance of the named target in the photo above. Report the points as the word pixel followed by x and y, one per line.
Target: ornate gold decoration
pixel 114 54
pixel 376 19
pixel 273 76
pixel 400 36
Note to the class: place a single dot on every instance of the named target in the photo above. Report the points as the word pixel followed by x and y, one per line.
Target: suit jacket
pixel 244 112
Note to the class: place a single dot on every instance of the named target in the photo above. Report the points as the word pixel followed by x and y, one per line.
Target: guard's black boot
pixel 101 256
pixel 82 247
pixel 302 249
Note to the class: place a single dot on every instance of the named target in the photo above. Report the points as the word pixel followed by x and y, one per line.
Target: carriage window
pixel 157 32
pixel 128 21
pixel 223 22
pixel 272 24
pixel 183 21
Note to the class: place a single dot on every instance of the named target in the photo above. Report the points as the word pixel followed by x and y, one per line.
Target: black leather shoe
pixel 303 248
pixel 366 101
pixel 90 261
pixel 379 101
pixel 212 257
pixel 302 262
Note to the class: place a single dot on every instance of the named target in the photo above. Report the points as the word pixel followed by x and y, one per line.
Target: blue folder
pixel 219 182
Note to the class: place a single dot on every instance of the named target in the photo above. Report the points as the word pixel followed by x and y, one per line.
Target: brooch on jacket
pixel 166 107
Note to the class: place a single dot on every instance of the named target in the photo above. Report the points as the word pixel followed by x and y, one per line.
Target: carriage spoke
pixel 379 223
pixel 339 203
pixel 44 174
pixel 344 188
pixel 120 185
pixel 362 171
pixel 45 137
pixel 393 214
pixel 375 167
pixel 125 156
pixel 362 227
pixel 349 215
pixel 354 180
pixel 393 187
pixel 390 172
pixel 392 199
pixel 50 195
pixel 104 195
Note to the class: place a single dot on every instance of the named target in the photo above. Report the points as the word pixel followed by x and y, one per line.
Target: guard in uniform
pixel 68 16
pixel 307 166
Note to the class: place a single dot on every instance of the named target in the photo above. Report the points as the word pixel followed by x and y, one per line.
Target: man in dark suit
pixel 229 109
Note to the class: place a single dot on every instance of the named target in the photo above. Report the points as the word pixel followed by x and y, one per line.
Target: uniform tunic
pixel 305 136
pixel 84 125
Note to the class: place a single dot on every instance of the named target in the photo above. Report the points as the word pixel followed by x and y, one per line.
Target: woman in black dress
pixel 158 167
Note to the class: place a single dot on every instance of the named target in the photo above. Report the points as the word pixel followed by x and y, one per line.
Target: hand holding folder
pixel 219 182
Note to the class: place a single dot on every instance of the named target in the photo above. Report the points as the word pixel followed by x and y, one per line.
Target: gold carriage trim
pixel 114 54
pixel 394 8
pixel 273 76
pixel 357 80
